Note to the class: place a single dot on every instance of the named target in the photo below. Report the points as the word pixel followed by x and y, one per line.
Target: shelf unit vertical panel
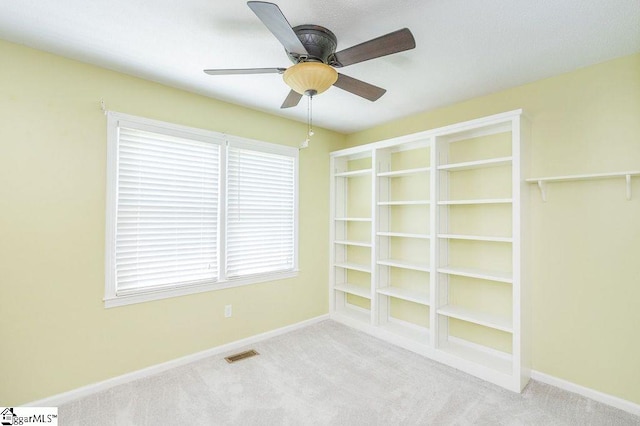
pixel 522 296
pixel 337 300
pixel 375 300
pixel 433 241
pixel 383 249
pixel 441 285
pixel 515 251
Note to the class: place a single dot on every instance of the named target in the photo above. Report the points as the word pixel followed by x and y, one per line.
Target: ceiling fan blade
pixel 272 17
pixel 293 98
pixel 246 71
pixel 359 87
pixel 397 41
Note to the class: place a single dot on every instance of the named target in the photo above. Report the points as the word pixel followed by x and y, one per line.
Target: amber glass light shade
pixel 310 76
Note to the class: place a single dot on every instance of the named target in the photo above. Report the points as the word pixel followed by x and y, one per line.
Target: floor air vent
pixel 241 355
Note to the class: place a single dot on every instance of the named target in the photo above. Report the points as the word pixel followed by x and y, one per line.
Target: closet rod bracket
pixel 542 185
pixel 628 178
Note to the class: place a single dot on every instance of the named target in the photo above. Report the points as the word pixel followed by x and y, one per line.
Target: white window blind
pixel 261 197
pixel 191 210
pixel 167 211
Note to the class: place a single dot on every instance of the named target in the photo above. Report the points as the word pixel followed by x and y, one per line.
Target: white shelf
pixel 353 289
pixel 353 173
pixel 491 162
pixel 361 316
pixel 489 358
pixel 480 201
pixel 412 332
pixel 592 176
pixel 476 238
pixel 505 277
pixel 353 266
pixel 405 265
pixel 419 297
pixel 405 172
pixel 481 318
pixel 405 203
pixel 353 243
pixel 403 235
pixel 352 219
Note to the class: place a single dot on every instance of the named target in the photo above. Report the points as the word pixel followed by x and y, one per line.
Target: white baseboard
pixel 604 398
pixel 65 397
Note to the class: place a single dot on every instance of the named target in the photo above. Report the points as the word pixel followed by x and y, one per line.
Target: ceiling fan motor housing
pixel 319 42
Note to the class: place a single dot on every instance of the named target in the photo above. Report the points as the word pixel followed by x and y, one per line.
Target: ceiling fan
pixel 311 48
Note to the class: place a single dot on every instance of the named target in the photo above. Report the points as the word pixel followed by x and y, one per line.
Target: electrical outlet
pixel 227 311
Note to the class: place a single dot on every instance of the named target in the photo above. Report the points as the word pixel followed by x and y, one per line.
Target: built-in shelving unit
pixel 429 247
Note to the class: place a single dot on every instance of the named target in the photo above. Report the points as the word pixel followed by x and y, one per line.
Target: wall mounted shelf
pixel 542 182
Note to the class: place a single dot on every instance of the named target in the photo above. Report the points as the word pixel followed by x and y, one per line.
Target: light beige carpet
pixel 330 374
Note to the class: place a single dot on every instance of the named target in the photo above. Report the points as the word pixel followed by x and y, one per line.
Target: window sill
pixel 147 296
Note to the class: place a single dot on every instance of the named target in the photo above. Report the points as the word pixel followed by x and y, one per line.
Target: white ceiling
pixel 464 48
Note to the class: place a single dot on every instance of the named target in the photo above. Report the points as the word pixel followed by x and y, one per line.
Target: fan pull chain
pixel 310 117
pixel 305 144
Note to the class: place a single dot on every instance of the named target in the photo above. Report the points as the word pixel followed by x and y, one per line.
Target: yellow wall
pixel 56 335
pixel 586 237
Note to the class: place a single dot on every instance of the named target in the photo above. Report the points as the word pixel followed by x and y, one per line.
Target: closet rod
pixel 542 182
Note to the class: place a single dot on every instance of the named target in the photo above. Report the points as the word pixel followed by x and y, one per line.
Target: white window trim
pixel 116 119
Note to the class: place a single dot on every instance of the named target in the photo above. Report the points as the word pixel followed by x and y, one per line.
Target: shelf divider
pixel 353 266
pixel 405 265
pixel 505 277
pixel 405 172
pixel 405 203
pixel 481 318
pixel 352 243
pixel 403 235
pixel 476 238
pixel 353 173
pixel 479 201
pixel 353 289
pixel 404 294
pixel 491 162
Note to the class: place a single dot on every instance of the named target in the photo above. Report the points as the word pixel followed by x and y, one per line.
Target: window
pixel 190 210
